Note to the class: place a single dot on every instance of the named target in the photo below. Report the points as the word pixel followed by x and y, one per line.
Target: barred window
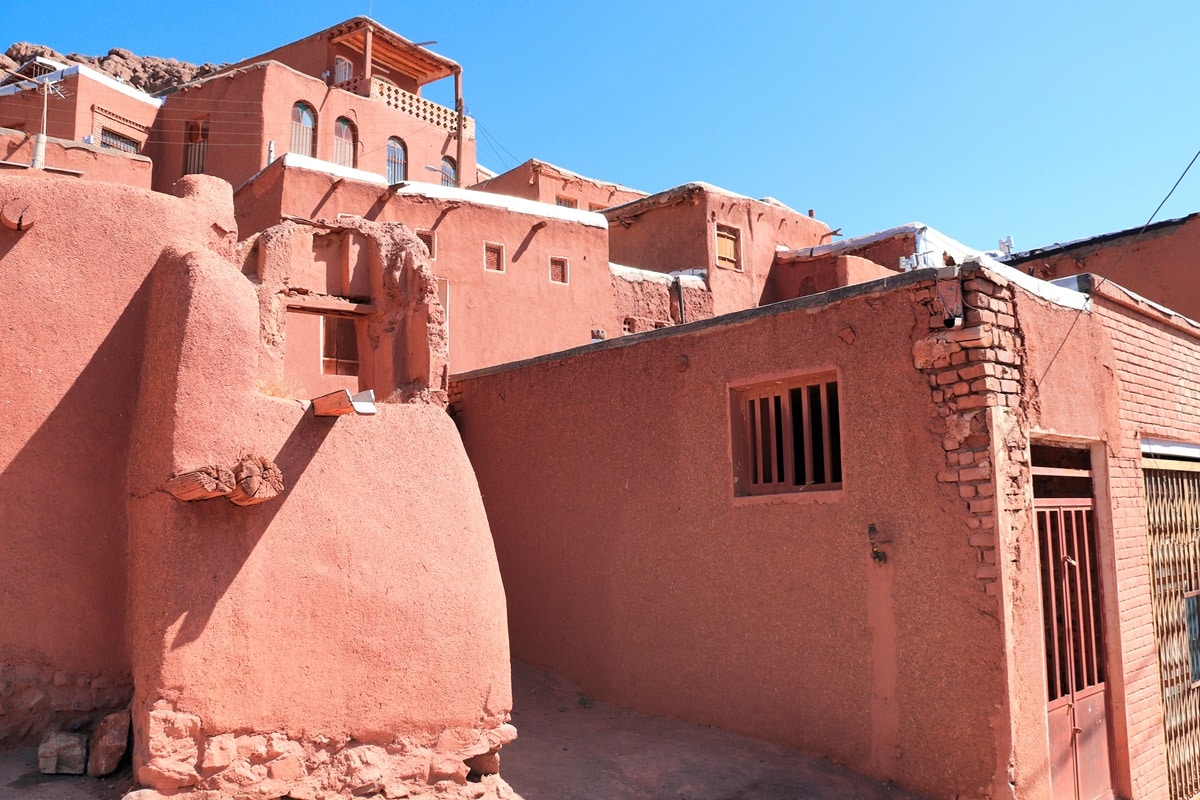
pixel 397 160
pixel 195 151
pixel 115 141
pixel 449 172
pixel 304 126
pixel 345 140
pixel 787 436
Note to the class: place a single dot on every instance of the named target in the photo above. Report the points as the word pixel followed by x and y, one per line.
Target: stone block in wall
pixel 63 753
pixel 107 744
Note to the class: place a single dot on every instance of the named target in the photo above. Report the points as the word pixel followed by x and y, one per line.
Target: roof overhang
pixel 393 50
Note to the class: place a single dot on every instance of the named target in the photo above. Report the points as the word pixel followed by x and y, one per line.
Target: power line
pixel 1105 278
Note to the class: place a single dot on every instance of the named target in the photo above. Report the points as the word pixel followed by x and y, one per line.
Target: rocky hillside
pixel 148 73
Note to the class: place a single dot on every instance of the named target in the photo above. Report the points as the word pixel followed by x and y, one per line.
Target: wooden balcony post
pixel 368 40
pixel 459 107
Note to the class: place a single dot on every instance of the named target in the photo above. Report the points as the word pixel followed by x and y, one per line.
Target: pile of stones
pixel 97 753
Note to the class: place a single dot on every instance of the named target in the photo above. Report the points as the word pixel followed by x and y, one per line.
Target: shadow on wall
pixel 64 519
pixel 242 528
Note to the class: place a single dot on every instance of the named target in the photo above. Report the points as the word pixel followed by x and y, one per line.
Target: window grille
pixel 195 150
pixel 115 141
pixel 397 162
pixel 339 348
pixel 343 70
pixel 787 436
pixel 449 172
pixel 304 124
pixel 728 246
pixel 566 202
pixel 344 140
pixel 493 257
pixel 558 270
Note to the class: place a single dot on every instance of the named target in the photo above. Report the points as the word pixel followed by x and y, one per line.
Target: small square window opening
pixel 430 241
pixel 493 257
pixel 566 202
pixel 558 270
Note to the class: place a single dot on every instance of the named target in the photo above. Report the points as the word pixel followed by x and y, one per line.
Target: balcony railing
pixel 409 103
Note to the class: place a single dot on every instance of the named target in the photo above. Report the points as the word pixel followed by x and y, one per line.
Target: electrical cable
pixel 1105 278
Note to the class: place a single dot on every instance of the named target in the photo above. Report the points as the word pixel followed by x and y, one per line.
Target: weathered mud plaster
pixel 347 637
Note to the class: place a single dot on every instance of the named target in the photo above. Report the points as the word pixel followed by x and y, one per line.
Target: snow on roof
pixel 534 163
pixel 683 189
pixel 87 72
pixel 687 277
pixel 436 191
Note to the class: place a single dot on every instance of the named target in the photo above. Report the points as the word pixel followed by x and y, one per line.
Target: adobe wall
pixel 270 90
pixel 544 183
pixel 92 163
pixel 1160 265
pixel 640 574
pixel 80 112
pixel 346 637
pixel 231 106
pixel 1132 364
pixel 800 277
pixel 680 233
pixel 23 111
pixel 494 317
pixel 650 301
pixel 74 344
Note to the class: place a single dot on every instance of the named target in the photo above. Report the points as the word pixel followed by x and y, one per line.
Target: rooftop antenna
pixel 44 87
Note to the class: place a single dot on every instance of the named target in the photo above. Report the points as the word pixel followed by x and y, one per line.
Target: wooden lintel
pixel 328 303
pixel 256 480
pixel 201 484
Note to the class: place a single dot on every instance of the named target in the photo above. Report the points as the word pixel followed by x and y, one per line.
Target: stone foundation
pixel 34 700
pixel 186 760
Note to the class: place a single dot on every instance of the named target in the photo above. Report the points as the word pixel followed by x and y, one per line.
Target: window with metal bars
pixel 493 257
pixel 558 270
pixel 345 141
pixel 449 171
pixel 729 253
pixel 196 150
pixel 115 141
pixel 787 436
pixel 397 160
pixel 566 202
pixel 304 126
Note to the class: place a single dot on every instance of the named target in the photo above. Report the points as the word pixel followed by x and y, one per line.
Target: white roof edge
pixel 1059 295
pixel 637 275
pixel 438 192
pixel 855 241
pixel 1164 447
pixel 519 205
pixel 92 74
pixel 328 167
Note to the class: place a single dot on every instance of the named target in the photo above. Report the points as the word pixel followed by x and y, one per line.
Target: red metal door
pixel 1077 696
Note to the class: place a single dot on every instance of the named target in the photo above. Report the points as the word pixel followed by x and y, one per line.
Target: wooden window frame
pixel 345 148
pixel 396 144
pixel 503 263
pixel 299 125
pixel 763 427
pixel 327 360
pixel 566 268
pixel 729 233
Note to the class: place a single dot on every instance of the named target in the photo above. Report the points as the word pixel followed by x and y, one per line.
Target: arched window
pixel 344 140
pixel 343 70
pixel 304 130
pixel 449 172
pixel 397 161
pixel 196 148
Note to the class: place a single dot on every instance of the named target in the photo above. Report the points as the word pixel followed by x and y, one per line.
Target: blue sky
pixel 1047 121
